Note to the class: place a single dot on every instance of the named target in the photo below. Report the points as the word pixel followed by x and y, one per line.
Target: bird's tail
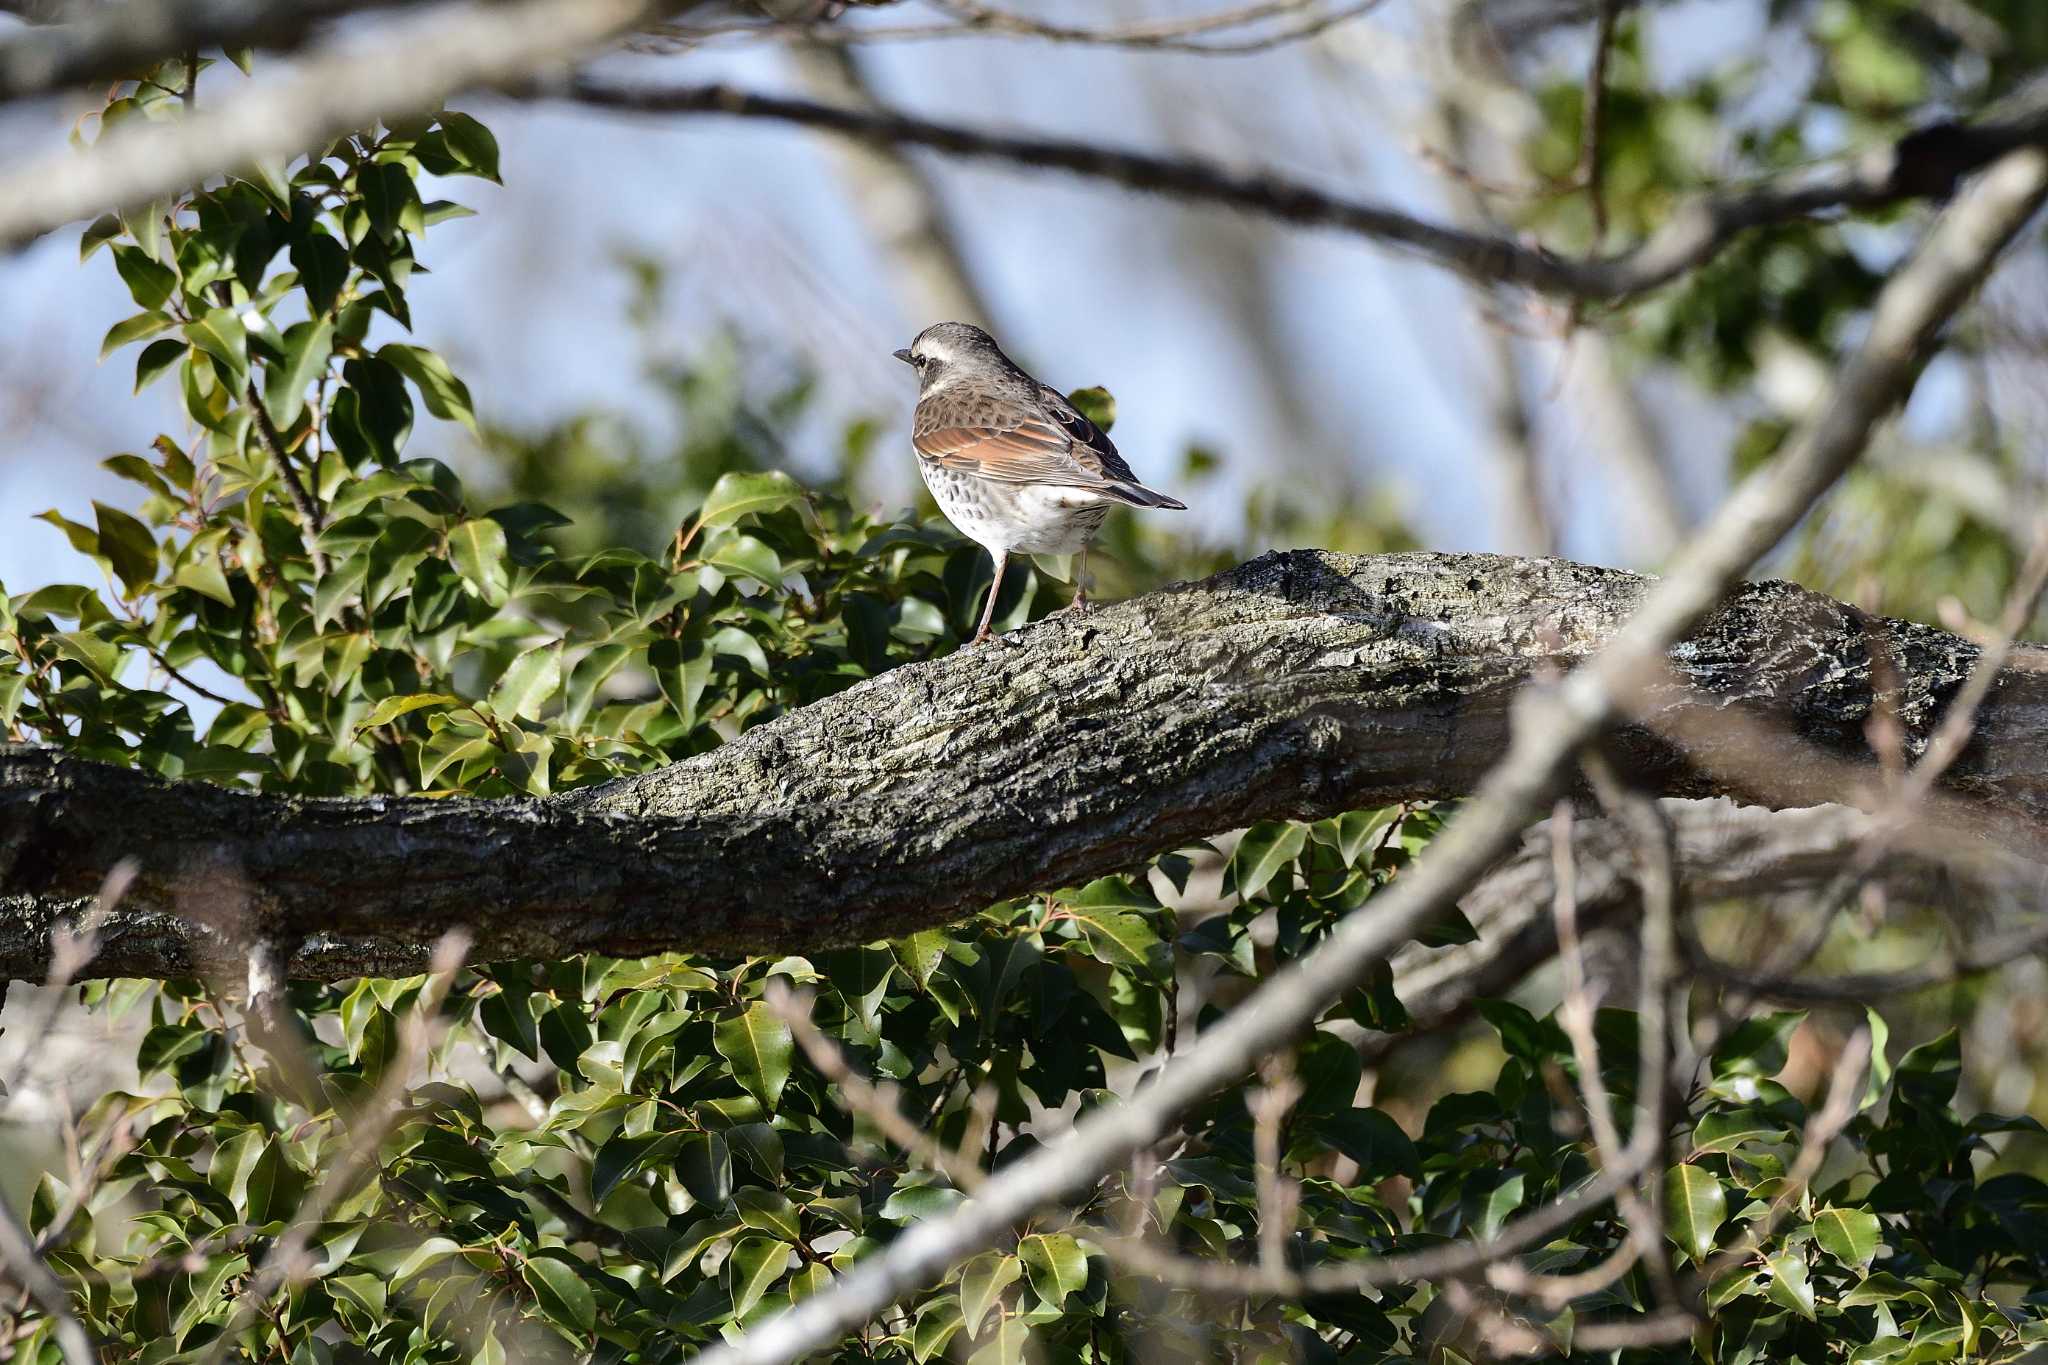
pixel 1137 495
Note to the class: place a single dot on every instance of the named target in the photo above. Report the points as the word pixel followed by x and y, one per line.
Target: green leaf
pixel 1726 1129
pixel 937 1323
pixel 861 977
pixel 132 329
pixel 322 264
pixel 739 492
pixel 1096 404
pixel 1373 1140
pixel 982 1282
pixel 528 682
pixel 98 233
pixel 1008 1345
pixel 1927 1075
pixel 1265 849
pixel 1490 1197
pixel 1880 1065
pixel 83 538
pixel 445 396
pixel 157 357
pixel 1789 1287
pixel 1694 1209
pixel 768 1211
pixel 149 281
pixel 453 751
pixel 477 549
pixel 758 1046
pixel 1056 1264
pixel 915 1203
pixel 755 1265
pixel 308 346
pixel 128 545
pixel 682 670
pixel 920 954
pixel 221 335
pixel 391 708
pixel 341 585
pixel 1848 1235
pixel 198 567
pixel 704 1166
pixel 1757 1047
pixel 623 1155
pixel 561 1293
pixel 744 556
pixel 470 145
pixel 1522 1034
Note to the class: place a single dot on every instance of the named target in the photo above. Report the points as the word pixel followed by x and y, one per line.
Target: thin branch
pixel 1594 127
pixel 112 42
pixel 1428 1263
pixel 985 21
pixel 368 1126
pixel 1549 731
pixel 877 1104
pixel 413 67
pixel 1925 163
pixel 302 500
pixel 1279 1198
pixel 18 1255
pixel 18 1251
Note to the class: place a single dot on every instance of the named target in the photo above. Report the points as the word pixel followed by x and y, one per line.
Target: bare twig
pixel 1594 126
pixel 1695 233
pixel 414 67
pixel 367 1129
pixel 70 951
pixel 111 42
pixel 1918 299
pixel 1429 1263
pixel 877 1104
pixel 18 1254
pixel 977 20
pixel 1279 1198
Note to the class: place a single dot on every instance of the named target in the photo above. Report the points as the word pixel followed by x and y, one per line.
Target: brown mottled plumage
pixel 1009 460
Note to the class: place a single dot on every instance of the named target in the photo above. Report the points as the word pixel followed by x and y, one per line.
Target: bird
pixel 1014 465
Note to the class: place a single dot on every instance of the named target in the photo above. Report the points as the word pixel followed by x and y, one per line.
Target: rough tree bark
pixel 1297 685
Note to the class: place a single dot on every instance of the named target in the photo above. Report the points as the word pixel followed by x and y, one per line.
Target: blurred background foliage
pixel 622 1159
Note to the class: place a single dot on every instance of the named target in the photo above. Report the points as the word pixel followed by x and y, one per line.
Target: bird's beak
pixel 903 356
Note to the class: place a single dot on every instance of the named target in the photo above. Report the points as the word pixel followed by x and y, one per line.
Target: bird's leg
pixel 988 612
pixel 1081 580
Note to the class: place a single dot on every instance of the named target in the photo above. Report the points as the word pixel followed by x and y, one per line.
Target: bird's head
pixel 945 348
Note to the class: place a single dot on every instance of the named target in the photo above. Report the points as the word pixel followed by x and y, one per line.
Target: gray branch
pixel 1298 685
pixel 418 63
pixel 1927 163
pixel 120 41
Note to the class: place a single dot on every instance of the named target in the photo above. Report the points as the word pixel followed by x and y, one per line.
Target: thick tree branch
pixel 1297 685
pixel 1928 163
